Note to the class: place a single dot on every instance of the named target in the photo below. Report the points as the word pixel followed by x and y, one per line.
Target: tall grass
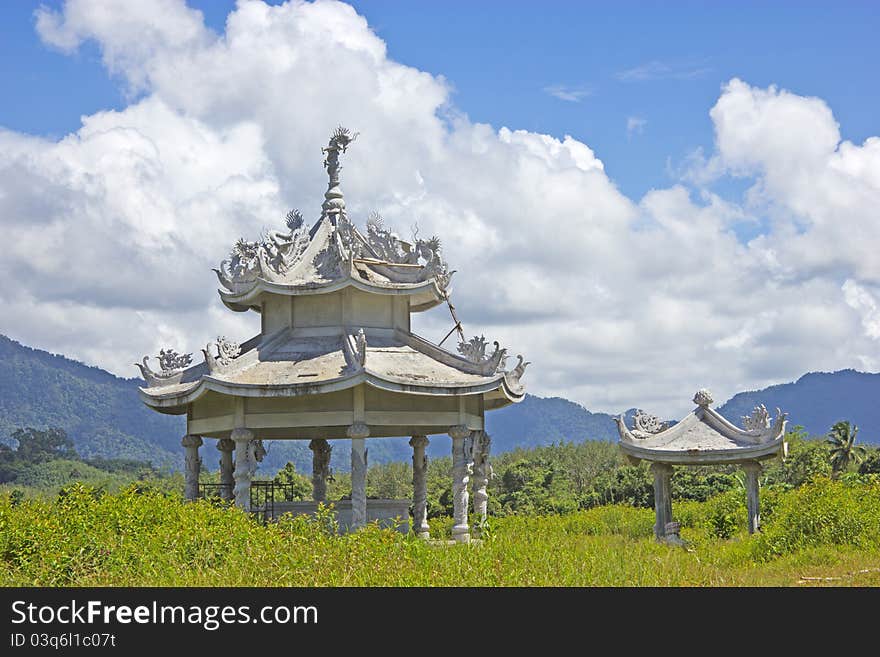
pixel 147 538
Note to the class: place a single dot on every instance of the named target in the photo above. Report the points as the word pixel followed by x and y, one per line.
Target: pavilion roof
pixel 704 436
pixel 334 254
pixel 294 362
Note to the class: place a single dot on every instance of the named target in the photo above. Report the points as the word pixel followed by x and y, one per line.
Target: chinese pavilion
pixel 704 437
pixel 336 358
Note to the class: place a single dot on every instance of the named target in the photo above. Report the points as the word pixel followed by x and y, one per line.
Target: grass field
pixel 824 533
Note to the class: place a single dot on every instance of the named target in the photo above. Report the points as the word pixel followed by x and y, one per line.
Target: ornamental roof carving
pixel 474 350
pixel 333 252
pixel 703 436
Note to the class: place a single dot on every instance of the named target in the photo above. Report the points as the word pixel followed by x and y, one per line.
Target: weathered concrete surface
pixel 420 486
pixel 389 513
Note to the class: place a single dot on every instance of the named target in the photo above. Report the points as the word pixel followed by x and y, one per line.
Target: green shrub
pixel 628 484
pixel 725 513
pixel 701 483
pixel 871 463
pixel 807 459
pixel 296 486
pixel 825 512
pixel 16 497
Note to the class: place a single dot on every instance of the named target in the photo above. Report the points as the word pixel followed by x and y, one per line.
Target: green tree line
pixel 554 479
pixel 45 460
pixel 566 477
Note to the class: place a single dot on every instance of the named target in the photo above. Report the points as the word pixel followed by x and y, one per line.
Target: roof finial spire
pixel 703 398
pixel 334 203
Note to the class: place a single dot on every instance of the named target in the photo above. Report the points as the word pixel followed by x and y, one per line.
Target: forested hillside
pixel 100 412
pixel 105 418
pixel 819 399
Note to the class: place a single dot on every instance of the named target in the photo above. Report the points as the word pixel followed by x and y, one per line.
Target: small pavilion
pixel 703 437
pixel 336 358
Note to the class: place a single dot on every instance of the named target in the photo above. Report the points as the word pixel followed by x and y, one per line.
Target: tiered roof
pixel 329 257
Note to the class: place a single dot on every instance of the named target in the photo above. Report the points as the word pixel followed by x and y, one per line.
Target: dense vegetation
pixel 825 528
pixel 40 462
pixel 568 477
pixel 568 514
pixel 554 479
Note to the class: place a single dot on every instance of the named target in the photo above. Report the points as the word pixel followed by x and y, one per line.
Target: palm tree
pixel 844 451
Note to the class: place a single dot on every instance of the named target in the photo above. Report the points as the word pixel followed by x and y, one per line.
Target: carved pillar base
pixel 243 468
pixel 320 468
pixel 420 486
pixel 753 471
pixel 662 498
pixel 193 465
pixel 358 432
pixel 227 480
pixel 461 471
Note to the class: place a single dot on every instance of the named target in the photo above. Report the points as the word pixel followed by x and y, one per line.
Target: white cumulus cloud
pixel 111 231
pixel 863 301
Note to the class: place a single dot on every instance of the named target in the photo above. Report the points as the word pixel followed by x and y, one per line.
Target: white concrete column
pixel 461 470
pixel 420 486
pixel 320 468
pixel 753 471
pixel 226 445
pixel 662 498
pixel 358 432
pixel 482 471
pixel 244 469
pixel 193 465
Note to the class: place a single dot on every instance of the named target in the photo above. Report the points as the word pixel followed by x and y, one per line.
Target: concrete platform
pixel 386 511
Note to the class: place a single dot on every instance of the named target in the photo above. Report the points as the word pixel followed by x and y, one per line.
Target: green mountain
pixel 104 416
pixel 100 412
pixel 817 400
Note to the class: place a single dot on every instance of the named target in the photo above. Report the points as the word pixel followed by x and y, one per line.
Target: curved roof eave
pixel 712 418
pixel 697 457
pixel 176 402
pixel 242 301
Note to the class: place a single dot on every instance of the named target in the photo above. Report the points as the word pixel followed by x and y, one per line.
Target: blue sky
pixel 659 63
pixel 727 240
